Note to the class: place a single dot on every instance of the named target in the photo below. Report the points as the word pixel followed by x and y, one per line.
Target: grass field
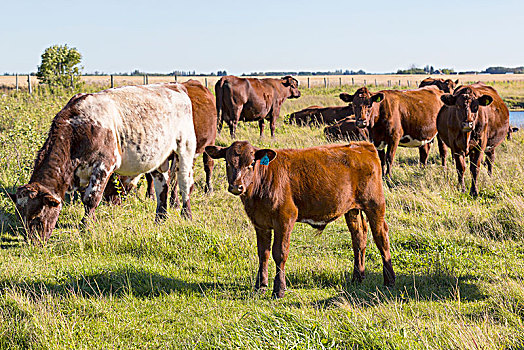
pixel 129 283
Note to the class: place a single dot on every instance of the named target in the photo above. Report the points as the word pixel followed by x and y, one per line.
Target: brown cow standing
pixel 314 186
pixel 346 129
pixel 205 124
pixel 473 120
pixel 447 85
pixel 251 99
pixel 395 118
pixel 316 115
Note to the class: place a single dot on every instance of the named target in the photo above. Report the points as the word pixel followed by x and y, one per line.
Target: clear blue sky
pixel 246 36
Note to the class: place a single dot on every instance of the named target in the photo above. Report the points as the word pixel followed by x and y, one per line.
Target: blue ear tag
pixel 264 160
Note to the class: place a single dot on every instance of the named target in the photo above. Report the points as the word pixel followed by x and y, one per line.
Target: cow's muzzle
pixel 361 123
pixel 236 189
pixel 467 126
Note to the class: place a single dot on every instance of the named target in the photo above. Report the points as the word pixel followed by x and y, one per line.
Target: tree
pixel 60 66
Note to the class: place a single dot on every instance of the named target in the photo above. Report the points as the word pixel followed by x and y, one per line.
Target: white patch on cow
pixel 381 146
pixel 22 201
pixel 488 148
pixel 313 222
pixel 413 142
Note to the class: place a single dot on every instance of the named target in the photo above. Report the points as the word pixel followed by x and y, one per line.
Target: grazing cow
pixel 447 85
pixel 397 118
pixel 316 115
pixel 129 130
pixel 205 125
pixel 346 129
pixel 251 99
pixel 473 120
pixel 314 186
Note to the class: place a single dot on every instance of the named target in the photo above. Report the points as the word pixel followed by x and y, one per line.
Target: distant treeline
pixel 336 72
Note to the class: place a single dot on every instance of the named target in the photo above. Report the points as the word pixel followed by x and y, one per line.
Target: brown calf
pixel 314 186
pixel 397 118
pixel 316 115
pixel 346 129
pixel 251 99
pixel 447 85
pixel 473 120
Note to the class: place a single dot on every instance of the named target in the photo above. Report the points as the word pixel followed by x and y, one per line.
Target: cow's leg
pixel 100 175
pixel 475 160
pixel 273 121
pixel 443 151
pixel 282 233
pixel 186 155
pixel 390 155
pixel 460 164
pixel 261 126
pixel 173 183
pixel 490 160
pixel 209 164
pixel 233 122
pixel 263 247
pixel 160 180
pixel 382 157
pixel 424 153
pixel 150 188
pixel 358 229
pixel 375 214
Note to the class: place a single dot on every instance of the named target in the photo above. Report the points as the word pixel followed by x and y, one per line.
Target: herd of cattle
pixel 159 130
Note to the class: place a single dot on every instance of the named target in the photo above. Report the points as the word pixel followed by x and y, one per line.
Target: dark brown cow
pixel 316 115
pixel 251 99
pixel 447 85
pixel 314 186
pixel 397 118
pixel 346 129
pixel 205 123
pixel 474 120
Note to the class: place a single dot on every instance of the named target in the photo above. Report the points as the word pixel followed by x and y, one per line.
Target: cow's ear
pixel 448 99
pixel 378 97
pixel 485 100
pixel 265 155
pixel 456 82
pixel 216 152
pixel 346 97
pixel 286 81
pixel 51 200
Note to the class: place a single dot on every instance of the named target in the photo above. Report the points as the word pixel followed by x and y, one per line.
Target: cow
pixel 397 118
pixel 346 129
pixel 315 186
pixel 316 115
pixel 205 125
pixel 474 120
pixel 447 85
pixel 129 130
pixel 511 131
pixel 251 99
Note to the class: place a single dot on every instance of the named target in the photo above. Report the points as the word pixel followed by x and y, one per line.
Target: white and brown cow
pixel 130 130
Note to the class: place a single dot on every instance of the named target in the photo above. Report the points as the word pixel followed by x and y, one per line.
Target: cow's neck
pixel 53 166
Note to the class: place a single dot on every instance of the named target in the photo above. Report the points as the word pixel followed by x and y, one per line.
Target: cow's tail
pixel 219 92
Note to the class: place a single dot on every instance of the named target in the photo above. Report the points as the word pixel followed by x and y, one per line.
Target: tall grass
pixel 126 282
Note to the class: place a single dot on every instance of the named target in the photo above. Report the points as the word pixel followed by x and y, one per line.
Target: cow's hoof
pixel 186 214
pixel 277 294
pixel 357 278
pixel 160 217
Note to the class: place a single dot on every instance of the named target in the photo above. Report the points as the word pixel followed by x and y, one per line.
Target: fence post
pixel 29 83
pixel 325 83
pixel 16 81
pixel 112 81
pixel 364 82
pixel 389 83
pixel 340 81
pixel 352 81
pixel 408 83
pixel 376 83
pixel 176 79
pixel 147 79
pixel 205 81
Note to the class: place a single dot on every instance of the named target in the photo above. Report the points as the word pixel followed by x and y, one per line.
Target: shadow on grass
pixel 138 283
pixel 433 286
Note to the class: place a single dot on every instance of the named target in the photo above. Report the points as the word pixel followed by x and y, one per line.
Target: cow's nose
pixel 467 126
pixel 236 189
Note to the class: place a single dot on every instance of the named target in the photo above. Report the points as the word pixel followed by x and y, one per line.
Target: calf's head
pixel 241 159
pixel 467 105
pixel 292 84
pixel 363 102
pixel 38 209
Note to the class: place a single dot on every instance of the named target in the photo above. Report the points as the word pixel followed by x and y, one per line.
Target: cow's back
pixel 147 122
